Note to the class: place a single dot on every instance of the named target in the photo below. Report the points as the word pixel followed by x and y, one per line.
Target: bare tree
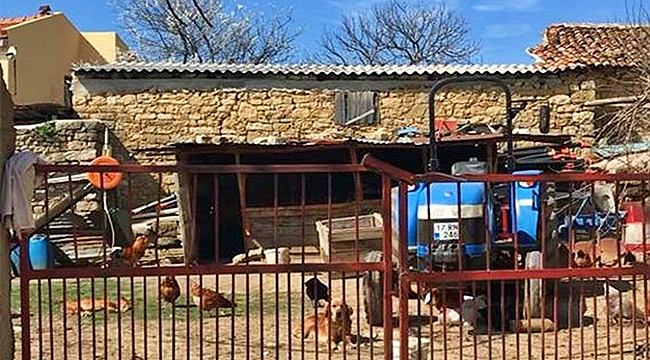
pixel 400 33
pixel 206 31
pixel 625 115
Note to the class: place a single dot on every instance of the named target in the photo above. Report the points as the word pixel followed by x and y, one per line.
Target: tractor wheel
pixel 533 287
pixel 373 292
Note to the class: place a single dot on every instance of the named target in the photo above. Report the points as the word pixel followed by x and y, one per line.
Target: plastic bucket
pixel 412 344
pixel 40 254
pixel 277 256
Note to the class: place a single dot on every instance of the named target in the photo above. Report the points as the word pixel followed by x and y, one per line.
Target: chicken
pixel 208 299
pixel 169 290
pixel 134 252
pixel 621 306
pixel 316 291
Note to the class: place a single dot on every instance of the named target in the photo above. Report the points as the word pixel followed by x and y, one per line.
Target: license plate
pixel 445 231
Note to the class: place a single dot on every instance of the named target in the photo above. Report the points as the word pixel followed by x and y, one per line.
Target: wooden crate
pixel 343 236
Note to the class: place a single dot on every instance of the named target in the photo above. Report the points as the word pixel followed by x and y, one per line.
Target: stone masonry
pixel 152 117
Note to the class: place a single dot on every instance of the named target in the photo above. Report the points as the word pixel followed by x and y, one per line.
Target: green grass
pixel 150 308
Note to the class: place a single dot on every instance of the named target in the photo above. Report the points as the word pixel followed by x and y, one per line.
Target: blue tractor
pixel 491 217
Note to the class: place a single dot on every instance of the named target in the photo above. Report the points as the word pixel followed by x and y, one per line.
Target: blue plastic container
pixel 40 254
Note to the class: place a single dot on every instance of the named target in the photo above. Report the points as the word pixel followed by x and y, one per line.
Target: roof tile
pixel 7 22
pixel 568 46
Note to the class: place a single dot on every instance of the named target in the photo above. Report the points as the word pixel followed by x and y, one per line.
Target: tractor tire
pixel 533 287
pixel 373 292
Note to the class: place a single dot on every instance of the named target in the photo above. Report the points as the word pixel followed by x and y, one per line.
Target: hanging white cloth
pixel 18 183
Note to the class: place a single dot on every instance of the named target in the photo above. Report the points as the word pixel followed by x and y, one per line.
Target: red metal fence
pixel 473 311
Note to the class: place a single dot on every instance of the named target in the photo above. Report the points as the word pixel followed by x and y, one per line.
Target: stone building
pixel 153 105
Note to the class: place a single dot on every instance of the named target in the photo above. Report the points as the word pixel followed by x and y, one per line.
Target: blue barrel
pixel 40 254
pixel 14 258
pixel 412 197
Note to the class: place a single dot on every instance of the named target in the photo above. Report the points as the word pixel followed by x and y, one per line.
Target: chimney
pixel 44 10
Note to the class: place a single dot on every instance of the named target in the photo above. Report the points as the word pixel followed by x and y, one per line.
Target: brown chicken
pixel 208 299
pixel 134 252
pixel 169 290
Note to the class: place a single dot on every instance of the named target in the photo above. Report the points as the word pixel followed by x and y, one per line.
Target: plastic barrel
pixel 14 258
pixel 40 254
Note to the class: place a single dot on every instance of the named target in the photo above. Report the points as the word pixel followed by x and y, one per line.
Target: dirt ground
pixel 268 308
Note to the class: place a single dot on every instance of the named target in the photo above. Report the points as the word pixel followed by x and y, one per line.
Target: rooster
pixel 134 252
pixel 169 290
pixel 208 299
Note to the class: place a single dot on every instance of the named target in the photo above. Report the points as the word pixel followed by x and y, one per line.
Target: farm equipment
pixel 459 224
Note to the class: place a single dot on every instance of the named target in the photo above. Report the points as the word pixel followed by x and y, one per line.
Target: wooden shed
pixel 218 210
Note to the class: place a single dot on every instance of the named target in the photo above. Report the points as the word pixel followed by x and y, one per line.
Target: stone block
pixel 559 99
pixel 582 117
pixel 588 85
pixel 582 96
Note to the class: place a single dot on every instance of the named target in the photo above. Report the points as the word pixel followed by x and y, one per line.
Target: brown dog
pixel 336 321
pixel 85 307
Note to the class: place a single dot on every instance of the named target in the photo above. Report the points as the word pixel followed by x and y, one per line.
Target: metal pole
pixel 6 147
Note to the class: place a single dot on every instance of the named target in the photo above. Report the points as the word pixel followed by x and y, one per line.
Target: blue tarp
pixel 609 151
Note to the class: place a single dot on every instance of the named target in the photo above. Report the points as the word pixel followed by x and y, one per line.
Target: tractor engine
pixel 451 224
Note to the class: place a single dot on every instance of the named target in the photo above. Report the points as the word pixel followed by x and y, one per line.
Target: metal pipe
pixel 433 148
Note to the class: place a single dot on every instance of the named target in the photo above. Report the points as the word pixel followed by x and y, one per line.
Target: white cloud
pixel 507 5
pixel 502 31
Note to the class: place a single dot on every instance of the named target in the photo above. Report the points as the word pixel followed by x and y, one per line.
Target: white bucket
pixel 277 256
pixel 412 344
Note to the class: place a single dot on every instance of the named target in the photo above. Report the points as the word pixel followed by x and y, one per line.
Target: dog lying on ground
pixel 85 307
pixel 335 321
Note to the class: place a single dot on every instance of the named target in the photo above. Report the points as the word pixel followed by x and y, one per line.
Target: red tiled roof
pixel 576 45
pixel 7 22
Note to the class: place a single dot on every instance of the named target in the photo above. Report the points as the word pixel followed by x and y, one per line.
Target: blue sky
pixel 505 28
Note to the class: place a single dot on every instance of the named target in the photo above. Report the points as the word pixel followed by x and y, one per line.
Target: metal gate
pixel 551 306
pixel 578 290
pixel 104 299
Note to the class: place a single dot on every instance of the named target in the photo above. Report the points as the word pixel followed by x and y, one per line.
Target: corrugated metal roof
pixel 144 68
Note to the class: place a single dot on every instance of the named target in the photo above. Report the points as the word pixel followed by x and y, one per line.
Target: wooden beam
pixel 612 100
pixel 66 203
pixel 246 229
pixel 358 187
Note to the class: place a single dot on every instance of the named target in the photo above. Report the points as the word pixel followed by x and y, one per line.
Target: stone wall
pixel 152 117
pixel 63 140
pixel 81 141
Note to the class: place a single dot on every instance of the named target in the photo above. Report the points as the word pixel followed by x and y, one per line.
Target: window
pixel 356 108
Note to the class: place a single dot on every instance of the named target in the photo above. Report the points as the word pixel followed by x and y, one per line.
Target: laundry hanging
pixel 18 183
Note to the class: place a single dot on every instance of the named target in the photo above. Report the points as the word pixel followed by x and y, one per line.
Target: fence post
pixel 7 143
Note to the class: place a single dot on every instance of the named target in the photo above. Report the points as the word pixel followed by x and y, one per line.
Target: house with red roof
pixel 37 53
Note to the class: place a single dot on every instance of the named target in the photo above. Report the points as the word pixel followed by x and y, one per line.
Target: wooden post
pixel 7 144
pixel 241 182
pixel 358 188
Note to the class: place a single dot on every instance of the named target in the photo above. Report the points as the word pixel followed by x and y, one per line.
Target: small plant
pixel 47 131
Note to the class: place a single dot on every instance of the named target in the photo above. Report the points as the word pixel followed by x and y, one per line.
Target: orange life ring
pixel 106 180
